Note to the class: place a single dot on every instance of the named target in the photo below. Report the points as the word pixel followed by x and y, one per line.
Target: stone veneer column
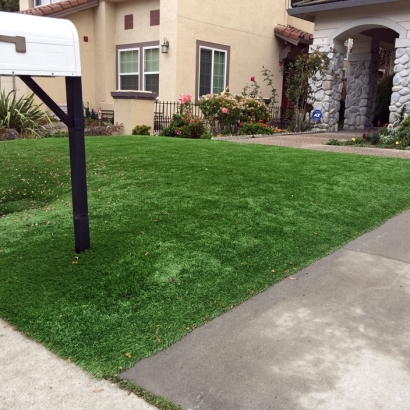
pixel 401 83
pixel 361 93
pixel 327 91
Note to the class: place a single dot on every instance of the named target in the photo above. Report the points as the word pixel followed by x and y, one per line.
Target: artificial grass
pixel 181 231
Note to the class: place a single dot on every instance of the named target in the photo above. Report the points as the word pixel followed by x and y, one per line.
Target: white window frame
pixel 212 71
pixel 125 74
pixel 143 65
pixel 45 2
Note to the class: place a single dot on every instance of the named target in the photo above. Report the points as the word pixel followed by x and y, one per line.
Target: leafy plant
pixel 372 137
pixel 22 114
pixel 9 5
pixel 141 130
pixel 405 124
pixel 254 93
pixel 185 125
pixel 382 101
pixel 259 128
pixel 334 141
pixel 298 77
pixel 225 111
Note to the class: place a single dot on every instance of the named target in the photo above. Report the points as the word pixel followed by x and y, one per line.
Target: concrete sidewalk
pixel 336 337
pixel 32 378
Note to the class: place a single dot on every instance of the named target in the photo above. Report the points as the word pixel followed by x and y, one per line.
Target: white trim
pixel 357 26
pixel 125 74
pixel 143 64
pixel 402 42
pixel 212 68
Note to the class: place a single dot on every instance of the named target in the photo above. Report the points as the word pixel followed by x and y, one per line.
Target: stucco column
pixel 361 92
pixel 327 90
pixel 401 83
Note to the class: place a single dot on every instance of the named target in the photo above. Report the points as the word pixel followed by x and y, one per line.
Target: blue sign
pixel 316 115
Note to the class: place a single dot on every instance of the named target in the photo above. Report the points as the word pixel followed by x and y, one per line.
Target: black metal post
pixel 78 164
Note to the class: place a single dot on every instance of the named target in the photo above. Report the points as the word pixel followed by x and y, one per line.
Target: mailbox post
pixel 37 46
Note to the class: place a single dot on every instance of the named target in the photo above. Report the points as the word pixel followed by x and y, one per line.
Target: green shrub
pixel 372 137
pixel 405 124
pixel 382 101
pixel 22 114
pixel 333 141
pixel 224 111
pixel 258 128
pixel 404 137
pixel 141 130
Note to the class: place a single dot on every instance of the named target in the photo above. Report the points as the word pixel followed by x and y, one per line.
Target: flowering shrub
pixel 184 124
pixel 225 111
pixel 258 128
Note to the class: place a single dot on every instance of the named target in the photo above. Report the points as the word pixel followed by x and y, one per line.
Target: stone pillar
pixel 361 93
pixel 401 83
pixel 327 90
pixel 133 108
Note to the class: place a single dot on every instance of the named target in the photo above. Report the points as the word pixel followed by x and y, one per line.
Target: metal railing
pixel 164 110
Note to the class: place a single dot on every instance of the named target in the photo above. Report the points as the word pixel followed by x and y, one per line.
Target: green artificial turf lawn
pixel 181 230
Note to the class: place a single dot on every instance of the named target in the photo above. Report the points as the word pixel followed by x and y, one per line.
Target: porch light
pixel 164 46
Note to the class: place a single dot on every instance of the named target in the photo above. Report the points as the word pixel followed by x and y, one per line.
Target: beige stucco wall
pixel 304 25
pixel 247 29
pixel 132 112
pixel 55 87
pixel 8 84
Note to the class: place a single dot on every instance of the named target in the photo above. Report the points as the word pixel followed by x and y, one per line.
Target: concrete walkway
pixel 335 336
pixel 32 378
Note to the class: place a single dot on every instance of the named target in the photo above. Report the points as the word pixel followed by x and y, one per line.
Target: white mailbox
pixel 38 46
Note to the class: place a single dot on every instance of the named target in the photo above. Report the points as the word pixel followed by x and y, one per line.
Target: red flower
pixel 264 125
pixel 260 121
pixel 241 124
pixel 252 78
pixel 250 122
pixel 364 135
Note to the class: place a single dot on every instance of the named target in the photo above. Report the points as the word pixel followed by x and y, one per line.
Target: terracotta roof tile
pixel 293 34
pixel 49 9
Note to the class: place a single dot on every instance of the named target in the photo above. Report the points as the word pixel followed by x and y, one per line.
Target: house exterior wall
pixel 247 30
pixel 248 34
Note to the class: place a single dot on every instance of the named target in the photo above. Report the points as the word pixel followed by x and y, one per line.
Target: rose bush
pixel 184 124
pixel 225 111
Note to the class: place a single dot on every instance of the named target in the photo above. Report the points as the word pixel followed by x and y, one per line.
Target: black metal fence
pixel 164 110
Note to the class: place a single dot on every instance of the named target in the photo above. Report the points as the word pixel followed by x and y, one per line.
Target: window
pixel 128 22
pixel 38 3
pixel 151 69
pixel 213 68
pixel 138 66
pixel 154 18
pixel 128 69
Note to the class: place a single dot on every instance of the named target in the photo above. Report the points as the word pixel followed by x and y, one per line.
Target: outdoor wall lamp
pixel 164 46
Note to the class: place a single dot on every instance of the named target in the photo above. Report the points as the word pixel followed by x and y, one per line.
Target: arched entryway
pixel 356 49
